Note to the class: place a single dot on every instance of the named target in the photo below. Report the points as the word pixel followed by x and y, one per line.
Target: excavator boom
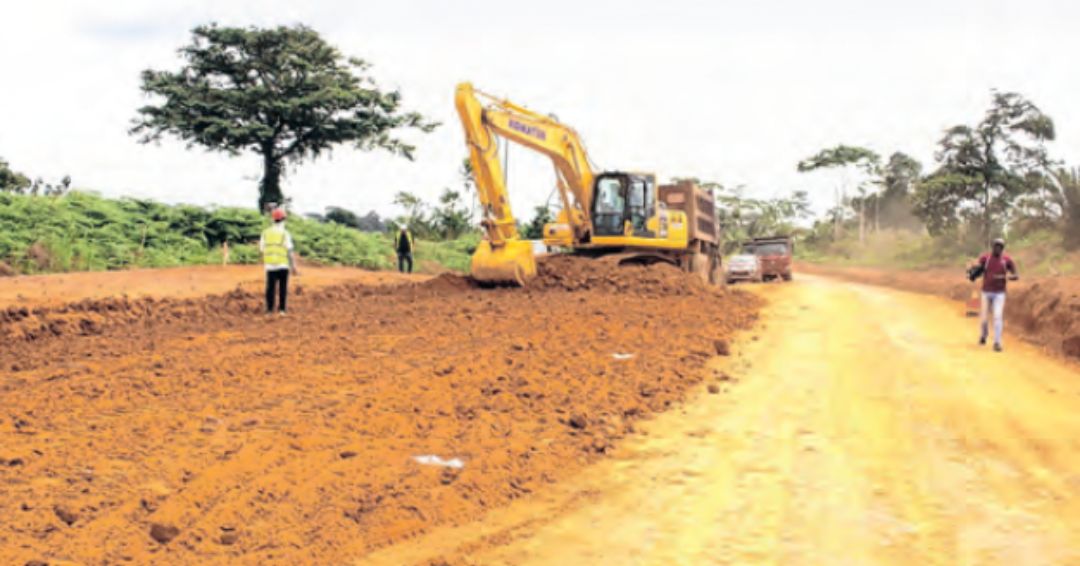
pixel 503 256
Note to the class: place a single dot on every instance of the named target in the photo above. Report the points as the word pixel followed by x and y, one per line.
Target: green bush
pixel 453 254
pixel 83 231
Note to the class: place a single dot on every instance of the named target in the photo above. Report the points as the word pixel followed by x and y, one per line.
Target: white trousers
pixel 992 303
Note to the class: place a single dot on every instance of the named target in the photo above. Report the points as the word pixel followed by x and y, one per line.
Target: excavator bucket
pixel 511 263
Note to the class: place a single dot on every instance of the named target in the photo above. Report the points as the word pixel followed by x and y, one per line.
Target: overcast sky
pixel 736 92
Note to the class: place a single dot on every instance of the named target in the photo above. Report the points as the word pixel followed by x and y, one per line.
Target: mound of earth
pixel 197 431
pixel 575 273
pixel 1050 310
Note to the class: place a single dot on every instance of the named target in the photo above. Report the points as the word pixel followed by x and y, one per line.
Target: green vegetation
pixel 993 178
pixel 451 218
pixel 534 228
pixel 882 190
pixel 1037 253
pixel 448 220
pixel 81 231
pixel 12 181
pixel 454 255
pixel 282 93
pixel 743 218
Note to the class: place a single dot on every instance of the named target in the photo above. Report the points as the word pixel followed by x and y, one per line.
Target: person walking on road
pixel 996 269
pixel 403 244
pixel 279 259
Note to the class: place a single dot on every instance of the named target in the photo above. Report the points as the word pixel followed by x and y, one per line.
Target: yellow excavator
pixel 617 214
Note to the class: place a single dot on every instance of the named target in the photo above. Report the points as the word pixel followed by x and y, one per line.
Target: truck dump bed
pixel 699 206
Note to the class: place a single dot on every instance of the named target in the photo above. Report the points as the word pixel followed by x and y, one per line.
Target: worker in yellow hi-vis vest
pixel 279 259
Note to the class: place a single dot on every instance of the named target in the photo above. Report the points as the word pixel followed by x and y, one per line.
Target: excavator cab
pixel 623 203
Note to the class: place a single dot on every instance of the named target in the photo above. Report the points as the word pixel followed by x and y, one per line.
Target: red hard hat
pixel 278 214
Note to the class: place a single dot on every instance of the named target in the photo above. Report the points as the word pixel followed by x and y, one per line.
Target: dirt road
pixel 1045 309
pixel 866 427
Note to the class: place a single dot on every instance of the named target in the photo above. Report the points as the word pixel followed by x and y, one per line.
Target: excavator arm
pixel 503 256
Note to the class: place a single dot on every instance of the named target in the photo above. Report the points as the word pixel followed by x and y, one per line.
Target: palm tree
pixel 1065 193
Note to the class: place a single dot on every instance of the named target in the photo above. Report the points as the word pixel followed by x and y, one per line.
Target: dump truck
pixel 624 216
pixel 775 253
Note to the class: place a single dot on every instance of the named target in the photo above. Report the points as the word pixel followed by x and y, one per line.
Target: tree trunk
pixel 877 214
pixel 270 185
pixel 1072 233
pixel 987 234
pixel 1068 182
pixel 862 220
pixel 1071 219
pixel 836 217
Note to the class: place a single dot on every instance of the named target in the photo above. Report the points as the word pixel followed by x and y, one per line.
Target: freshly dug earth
pixel 192 281
pixel 199 431
pixel 1044 310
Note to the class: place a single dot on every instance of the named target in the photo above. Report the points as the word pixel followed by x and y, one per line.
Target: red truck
pixel 775 255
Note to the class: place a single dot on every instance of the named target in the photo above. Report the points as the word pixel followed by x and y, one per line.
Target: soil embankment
pixel 1043 310
pixel 199 431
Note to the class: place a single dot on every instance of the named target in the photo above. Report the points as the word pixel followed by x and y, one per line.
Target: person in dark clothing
pixel 277 279
pixel 403 244
pixel 996 269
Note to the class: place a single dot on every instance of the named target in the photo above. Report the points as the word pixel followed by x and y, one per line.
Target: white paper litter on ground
pixel 618 356
pixel 432 460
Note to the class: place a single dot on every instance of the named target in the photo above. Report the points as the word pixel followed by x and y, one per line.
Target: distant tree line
pixel 989 178
pixel 449 218
pixel 12 181
pixel 370 222
pixel 742 217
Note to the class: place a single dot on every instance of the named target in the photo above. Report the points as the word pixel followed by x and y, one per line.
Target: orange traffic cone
pixel 974 303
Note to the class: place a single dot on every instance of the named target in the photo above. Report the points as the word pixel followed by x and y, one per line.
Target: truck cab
pixel 774 254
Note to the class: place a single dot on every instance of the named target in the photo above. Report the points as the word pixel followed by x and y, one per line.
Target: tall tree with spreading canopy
pixel 283 93
pixel 985 168
pixel 842 157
